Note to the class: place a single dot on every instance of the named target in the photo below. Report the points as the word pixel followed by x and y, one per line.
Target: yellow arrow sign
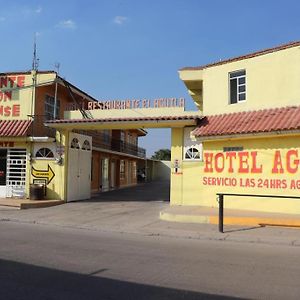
pixel 49 174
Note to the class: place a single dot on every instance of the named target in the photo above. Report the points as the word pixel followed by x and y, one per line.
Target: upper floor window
pixel 122 136
pixel 237 86
pixel 106 136
pixel 49 108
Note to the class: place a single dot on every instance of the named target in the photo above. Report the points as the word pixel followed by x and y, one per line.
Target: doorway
pixel 79 167
pixel 113 174
pixel 105 180
pixel 129 173
pixel 3 169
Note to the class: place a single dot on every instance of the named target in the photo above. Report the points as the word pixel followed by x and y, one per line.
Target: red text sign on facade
pixel 9 95
pixel 131 104
pixel 7 144
pixel 234 164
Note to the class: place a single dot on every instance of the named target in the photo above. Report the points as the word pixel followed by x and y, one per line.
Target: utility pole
pixel 57 65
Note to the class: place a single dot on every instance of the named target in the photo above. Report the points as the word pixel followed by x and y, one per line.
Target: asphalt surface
pixel 136 210
pixel 115 247
pixel 52 262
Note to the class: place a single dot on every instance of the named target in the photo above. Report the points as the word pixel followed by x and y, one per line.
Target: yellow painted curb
pixel 254 221
pixel 229 220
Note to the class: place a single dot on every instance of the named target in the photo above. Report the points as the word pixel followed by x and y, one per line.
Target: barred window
pixel 86 145
pixel 49 107
pixel 75 144
pixel 44 153
pixel 192 153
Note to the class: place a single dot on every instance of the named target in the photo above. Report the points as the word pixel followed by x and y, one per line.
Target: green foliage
pixel 162 154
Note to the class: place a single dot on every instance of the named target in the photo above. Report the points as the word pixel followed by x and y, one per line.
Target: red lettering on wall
pixel 4 96
pixel 12 80
pixel 16 110
pixel 10 111
pixel 219 162
pixel 277 165
pixel 21 81
pixel 208 161
pixel 254 168
pixel 243 162
pixel 230 155
pixel 292 166
pixel 7 144
pixel 3 82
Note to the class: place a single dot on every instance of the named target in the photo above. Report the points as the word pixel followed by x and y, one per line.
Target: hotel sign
pixel 130 104
pixel 248 169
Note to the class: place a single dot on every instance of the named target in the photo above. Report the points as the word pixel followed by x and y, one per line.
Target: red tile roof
pixel 267 120
pixel 250 55
pixel 132 119
pixel 14 128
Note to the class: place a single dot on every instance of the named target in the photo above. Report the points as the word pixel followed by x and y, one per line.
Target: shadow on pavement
pixel 244 229
pixel 24 281
pixel 152 191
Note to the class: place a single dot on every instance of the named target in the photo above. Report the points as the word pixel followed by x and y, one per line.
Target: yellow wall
pixel 18 104
pixel 176 192
pixel 130 113
pixel 56 188
pixel 195 192
pixel 272 80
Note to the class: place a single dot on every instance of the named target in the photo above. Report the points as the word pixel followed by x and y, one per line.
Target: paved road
pixel 136 210
pixel 50 262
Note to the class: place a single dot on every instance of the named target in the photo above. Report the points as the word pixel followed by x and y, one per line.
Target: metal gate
pixel 16 173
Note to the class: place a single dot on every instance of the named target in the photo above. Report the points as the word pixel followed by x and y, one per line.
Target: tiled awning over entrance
pixel 14 128
pixel 127 122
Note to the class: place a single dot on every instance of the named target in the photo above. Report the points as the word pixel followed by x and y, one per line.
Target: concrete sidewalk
pixel 143 218
pixel 140 210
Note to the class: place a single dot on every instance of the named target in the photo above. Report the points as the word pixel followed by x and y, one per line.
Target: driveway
pixel 127 209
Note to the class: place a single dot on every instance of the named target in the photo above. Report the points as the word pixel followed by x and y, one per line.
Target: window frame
pixel 122 169
pixel 49 103
pixel 44 157
pixel 237 78
pixel 193 158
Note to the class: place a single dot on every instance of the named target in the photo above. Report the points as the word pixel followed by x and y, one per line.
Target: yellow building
pixel 247 141
pixel 70 164
pixel 243 139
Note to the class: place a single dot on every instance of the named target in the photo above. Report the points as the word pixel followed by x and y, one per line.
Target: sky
pixel 133 49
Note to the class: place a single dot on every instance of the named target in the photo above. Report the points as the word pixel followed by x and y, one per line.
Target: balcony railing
pixel 105 141
pixel 100 139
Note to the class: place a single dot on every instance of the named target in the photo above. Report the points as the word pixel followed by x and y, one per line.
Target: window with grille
pixel 192 153
pixel 237 86
pixel 49 108
pixel 44 153
pixel 193 148
pixel 75 144
pixel 86 145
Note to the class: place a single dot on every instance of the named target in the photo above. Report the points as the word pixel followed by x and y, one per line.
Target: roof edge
pixel 246 56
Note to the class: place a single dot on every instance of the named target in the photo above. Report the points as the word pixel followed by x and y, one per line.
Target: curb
pixel 229 220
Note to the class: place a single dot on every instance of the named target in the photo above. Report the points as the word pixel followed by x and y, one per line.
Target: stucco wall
pixel 268 166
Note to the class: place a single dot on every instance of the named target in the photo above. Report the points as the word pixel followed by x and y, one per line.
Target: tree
pixel 162 154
